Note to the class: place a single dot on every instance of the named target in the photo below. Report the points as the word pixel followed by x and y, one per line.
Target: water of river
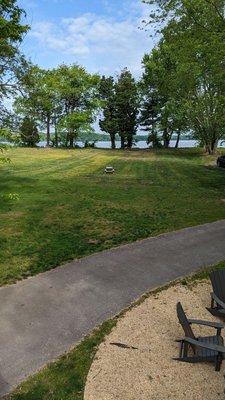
pixel 141 144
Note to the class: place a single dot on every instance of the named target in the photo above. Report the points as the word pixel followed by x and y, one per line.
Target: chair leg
pixel 219 360
pixel 185 349
pixel 181 348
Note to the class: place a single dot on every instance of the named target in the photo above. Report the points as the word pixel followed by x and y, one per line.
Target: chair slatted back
pixel 218 283
pixel 184 321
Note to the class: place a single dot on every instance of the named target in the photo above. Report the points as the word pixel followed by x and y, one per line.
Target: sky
pixel 101 35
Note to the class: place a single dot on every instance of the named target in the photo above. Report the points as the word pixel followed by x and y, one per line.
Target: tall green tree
pixel 148 111
pixel 39 98
pixel 126 107
pixel 120 102
pixel 193 31
pixel 148 119
pixel 29 132
pixel 162 106
pixel 11 61
pixel 64 98
pixel 11 34
pixel 77 92
pixel 108 121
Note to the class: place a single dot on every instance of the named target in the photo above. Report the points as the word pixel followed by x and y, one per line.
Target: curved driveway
pixel 43 316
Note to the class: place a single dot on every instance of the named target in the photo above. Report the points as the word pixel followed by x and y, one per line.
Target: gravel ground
pixel 146 370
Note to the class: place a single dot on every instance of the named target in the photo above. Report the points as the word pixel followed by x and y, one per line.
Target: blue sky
pixel 101 35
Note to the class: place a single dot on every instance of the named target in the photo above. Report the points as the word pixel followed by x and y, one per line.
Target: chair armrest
pixel 217 300
pixel 212 324
pixel 214 347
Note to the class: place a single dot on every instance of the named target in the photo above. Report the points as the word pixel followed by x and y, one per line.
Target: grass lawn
pixel 68 208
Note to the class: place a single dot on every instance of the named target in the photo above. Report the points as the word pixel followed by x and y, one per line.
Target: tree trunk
pixel 71 141
pixel 48 129
pixel 166 140
pixel 56 137
pixel 178 139
pixel 122 139
pixel 112 138
pixel 212 148
pixel 129 141
pixel 214 144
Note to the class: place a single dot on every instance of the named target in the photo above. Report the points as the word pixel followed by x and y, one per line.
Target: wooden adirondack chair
pixel 196 349
pixel 218 295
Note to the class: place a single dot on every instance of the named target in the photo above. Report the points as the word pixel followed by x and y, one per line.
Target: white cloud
pixel 101 44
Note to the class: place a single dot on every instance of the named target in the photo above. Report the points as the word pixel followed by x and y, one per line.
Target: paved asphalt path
pixel 44 316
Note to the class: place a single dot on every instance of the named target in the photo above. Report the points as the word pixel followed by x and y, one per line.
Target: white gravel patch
pixel 149 371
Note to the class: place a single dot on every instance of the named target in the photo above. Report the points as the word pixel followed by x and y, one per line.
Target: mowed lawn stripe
pixel 68 207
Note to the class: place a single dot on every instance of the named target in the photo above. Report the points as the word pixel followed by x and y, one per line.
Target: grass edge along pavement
pixel 65 378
